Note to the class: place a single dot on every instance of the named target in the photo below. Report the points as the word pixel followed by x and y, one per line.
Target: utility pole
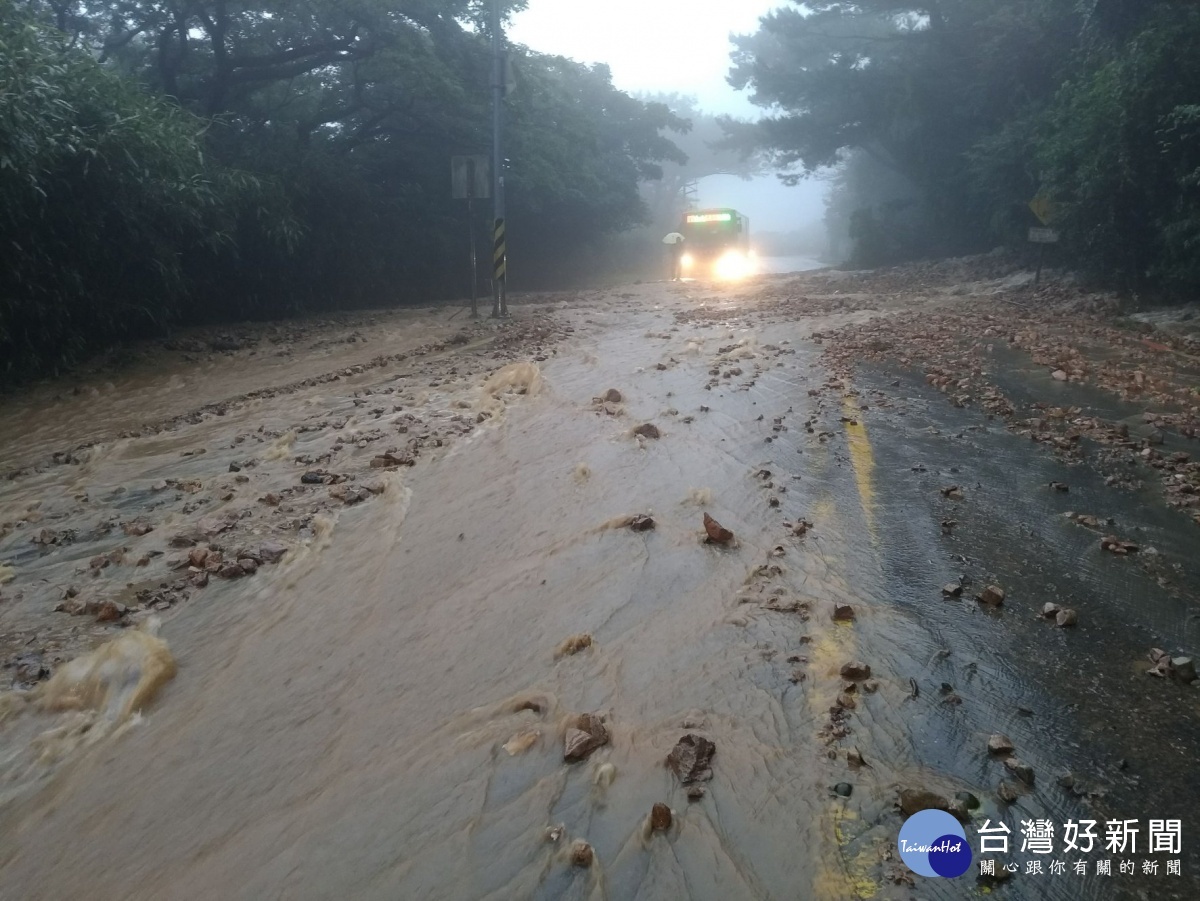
pixel 499 248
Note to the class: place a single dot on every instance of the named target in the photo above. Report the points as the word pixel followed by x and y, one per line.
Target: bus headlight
pixel 686 261
pixel 732 266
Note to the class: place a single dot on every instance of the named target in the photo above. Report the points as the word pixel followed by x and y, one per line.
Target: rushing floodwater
pixel 381 715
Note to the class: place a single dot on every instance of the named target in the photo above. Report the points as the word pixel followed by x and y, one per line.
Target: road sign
pixel 470 176
pixel 1043 236
pixel 1043 208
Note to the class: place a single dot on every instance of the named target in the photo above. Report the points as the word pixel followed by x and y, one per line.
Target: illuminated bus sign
pixel 709 217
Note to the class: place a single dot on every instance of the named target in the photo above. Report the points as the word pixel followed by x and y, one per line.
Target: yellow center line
pixel 862 459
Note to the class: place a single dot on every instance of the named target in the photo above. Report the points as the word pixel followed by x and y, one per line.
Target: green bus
pixel 716 244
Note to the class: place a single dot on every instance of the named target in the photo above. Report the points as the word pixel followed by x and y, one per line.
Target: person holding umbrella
pixel 674 242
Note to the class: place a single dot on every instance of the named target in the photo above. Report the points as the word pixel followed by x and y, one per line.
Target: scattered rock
pixel 109 612
pixel 137 528
pixel 586 733
pixel 696 793
pixel 952 589
pixel 967 800
pixel 691 759
pixel 1050 609
pixel 1000 744
pixel 272 551
pixel 660 817
pixel 843 613
pixel 582 854
pixel 641 522
pixel 717 534
pixel 1183 669
pixel 389 461
pixel 28 669
pixel 231 570
pixel 214 525
pixel 1008 791
pixel 1115 545
pixel 993 596
pixel 554 834
pixel 1066 617
pixel 612 396
pixel 843 789
pixel 912 800
pixel 647 430
pixel 953 492
pixel 1020 769
pixel 855 671
pixel 1059 486
pixel 1059 375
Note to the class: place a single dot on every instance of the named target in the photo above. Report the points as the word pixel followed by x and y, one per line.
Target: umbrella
pixel 673 238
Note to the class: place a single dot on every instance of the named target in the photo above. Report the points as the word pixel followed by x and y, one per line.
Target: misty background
pixel 166 165
pixel 679 52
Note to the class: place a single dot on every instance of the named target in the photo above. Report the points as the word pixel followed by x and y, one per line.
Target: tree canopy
pixel 171 161
pixel 975 106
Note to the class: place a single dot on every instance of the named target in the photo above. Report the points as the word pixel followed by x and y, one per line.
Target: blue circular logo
pixel 933 843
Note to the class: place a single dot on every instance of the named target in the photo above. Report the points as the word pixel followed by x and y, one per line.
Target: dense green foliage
pixel 950 115
pixel 174 162
pixel 101 186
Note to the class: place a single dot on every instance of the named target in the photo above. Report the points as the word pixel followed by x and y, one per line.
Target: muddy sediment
pixel 402 585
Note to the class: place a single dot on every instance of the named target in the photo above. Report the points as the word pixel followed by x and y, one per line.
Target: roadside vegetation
pixel 947 117
pixel 176 163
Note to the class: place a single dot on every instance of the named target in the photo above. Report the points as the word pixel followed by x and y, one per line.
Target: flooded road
pixel 379 710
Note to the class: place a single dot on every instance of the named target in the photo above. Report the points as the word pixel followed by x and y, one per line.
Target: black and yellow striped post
pixel 499 271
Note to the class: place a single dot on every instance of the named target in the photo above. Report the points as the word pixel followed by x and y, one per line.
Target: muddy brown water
pixel 338 723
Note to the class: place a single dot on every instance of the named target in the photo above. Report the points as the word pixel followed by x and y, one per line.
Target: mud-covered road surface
pixel 397 558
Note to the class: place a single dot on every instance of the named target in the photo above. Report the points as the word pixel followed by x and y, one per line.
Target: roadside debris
pixel 582 854
pixel 1063 616
pixel 912 800
pixel 1086 519
pixel 993 596
pixel 641 522
pixel 1000 744
pixel 717 534
pixel 647 430
pixel 660 817
pixel 585 734
pixel 855 671
pixel 691 759
pixel 1020 769
pixel 1115 545
pixel 843 613
pixel 1181 669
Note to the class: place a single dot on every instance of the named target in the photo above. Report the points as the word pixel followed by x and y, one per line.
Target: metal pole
pixel 499 247
pixel 471 230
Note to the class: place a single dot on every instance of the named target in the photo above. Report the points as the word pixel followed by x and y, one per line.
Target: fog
pixel 674 46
